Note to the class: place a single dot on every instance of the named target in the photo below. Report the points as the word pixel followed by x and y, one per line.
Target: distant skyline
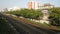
pixel 23 3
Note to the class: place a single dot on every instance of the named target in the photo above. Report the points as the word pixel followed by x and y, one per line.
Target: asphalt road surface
pixel 23 28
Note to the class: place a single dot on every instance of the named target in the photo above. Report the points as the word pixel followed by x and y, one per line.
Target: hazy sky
pixel 23 3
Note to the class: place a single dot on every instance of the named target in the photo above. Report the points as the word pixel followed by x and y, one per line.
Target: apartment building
pixel 46 6
pixel 36 5
pixel 33 5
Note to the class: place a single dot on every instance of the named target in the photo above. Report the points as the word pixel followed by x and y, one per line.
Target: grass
pixel 24 20
pixel 32 22
pixel 4 27
pixel 58 27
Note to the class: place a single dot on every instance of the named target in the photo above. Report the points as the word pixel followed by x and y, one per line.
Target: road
pixel 23 28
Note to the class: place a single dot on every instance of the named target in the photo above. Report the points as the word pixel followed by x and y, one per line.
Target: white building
pixel 46 6
pixel 14 8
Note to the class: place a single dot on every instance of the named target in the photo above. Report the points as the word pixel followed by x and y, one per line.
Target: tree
pixel 33 14
pixel 55 16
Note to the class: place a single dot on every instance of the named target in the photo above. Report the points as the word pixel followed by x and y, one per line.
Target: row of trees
pixel 33 14
pixel 55 16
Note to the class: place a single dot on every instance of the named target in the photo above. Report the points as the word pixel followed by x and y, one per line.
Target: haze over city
pixel 23 3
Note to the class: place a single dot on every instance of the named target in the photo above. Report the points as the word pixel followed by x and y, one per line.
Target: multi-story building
pixel 32 5
pixel 46 6
pixel 36 5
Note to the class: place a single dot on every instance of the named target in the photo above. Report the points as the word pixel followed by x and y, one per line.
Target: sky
pixel 23 3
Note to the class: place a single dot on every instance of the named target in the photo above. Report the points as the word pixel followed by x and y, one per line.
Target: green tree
pixel 27 13
pixel 55 16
